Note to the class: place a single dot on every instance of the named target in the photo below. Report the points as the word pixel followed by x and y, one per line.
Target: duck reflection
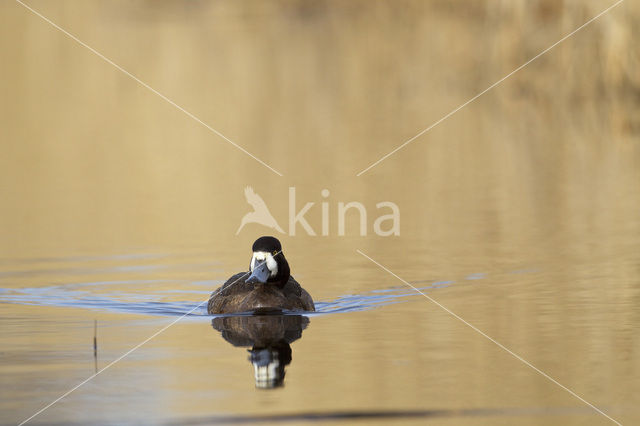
pixel 269 336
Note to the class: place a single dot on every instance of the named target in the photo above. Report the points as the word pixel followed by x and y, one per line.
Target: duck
pixel 267 287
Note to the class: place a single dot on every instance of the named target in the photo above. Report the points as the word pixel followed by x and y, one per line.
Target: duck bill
pixel 260 274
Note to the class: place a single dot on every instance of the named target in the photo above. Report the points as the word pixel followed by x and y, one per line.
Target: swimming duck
pixel 267 286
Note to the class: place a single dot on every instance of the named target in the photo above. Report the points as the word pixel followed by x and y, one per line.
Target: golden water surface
pixel 520 213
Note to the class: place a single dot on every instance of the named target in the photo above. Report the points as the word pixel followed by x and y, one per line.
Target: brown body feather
pixel 238 296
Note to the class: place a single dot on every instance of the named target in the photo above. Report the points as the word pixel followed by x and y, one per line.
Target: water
pixel 518 220
pixel 134 295
pixel 388 341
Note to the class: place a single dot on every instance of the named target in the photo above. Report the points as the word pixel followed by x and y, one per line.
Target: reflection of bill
pixel 269 337
pixel 268 365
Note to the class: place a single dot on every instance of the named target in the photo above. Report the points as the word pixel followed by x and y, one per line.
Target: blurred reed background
pixel 541 173
pixel 318 90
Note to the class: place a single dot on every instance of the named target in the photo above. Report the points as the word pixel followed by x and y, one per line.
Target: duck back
pixel 238 296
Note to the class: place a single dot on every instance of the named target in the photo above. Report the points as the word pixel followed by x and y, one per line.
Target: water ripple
pixel 158 296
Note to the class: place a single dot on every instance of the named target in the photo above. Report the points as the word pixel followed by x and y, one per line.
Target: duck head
pixel 268 264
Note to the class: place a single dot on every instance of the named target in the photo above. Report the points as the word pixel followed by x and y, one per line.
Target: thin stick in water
pixel 95 344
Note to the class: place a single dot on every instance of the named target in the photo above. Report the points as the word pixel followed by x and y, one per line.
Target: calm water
pixel 519 214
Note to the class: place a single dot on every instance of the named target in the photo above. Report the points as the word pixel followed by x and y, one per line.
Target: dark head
pixel 268 264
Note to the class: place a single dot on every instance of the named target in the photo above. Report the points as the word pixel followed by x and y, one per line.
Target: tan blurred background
pixel 541 172
pixel 318 90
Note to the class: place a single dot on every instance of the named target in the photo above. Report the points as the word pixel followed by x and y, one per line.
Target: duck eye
pixel 275 252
